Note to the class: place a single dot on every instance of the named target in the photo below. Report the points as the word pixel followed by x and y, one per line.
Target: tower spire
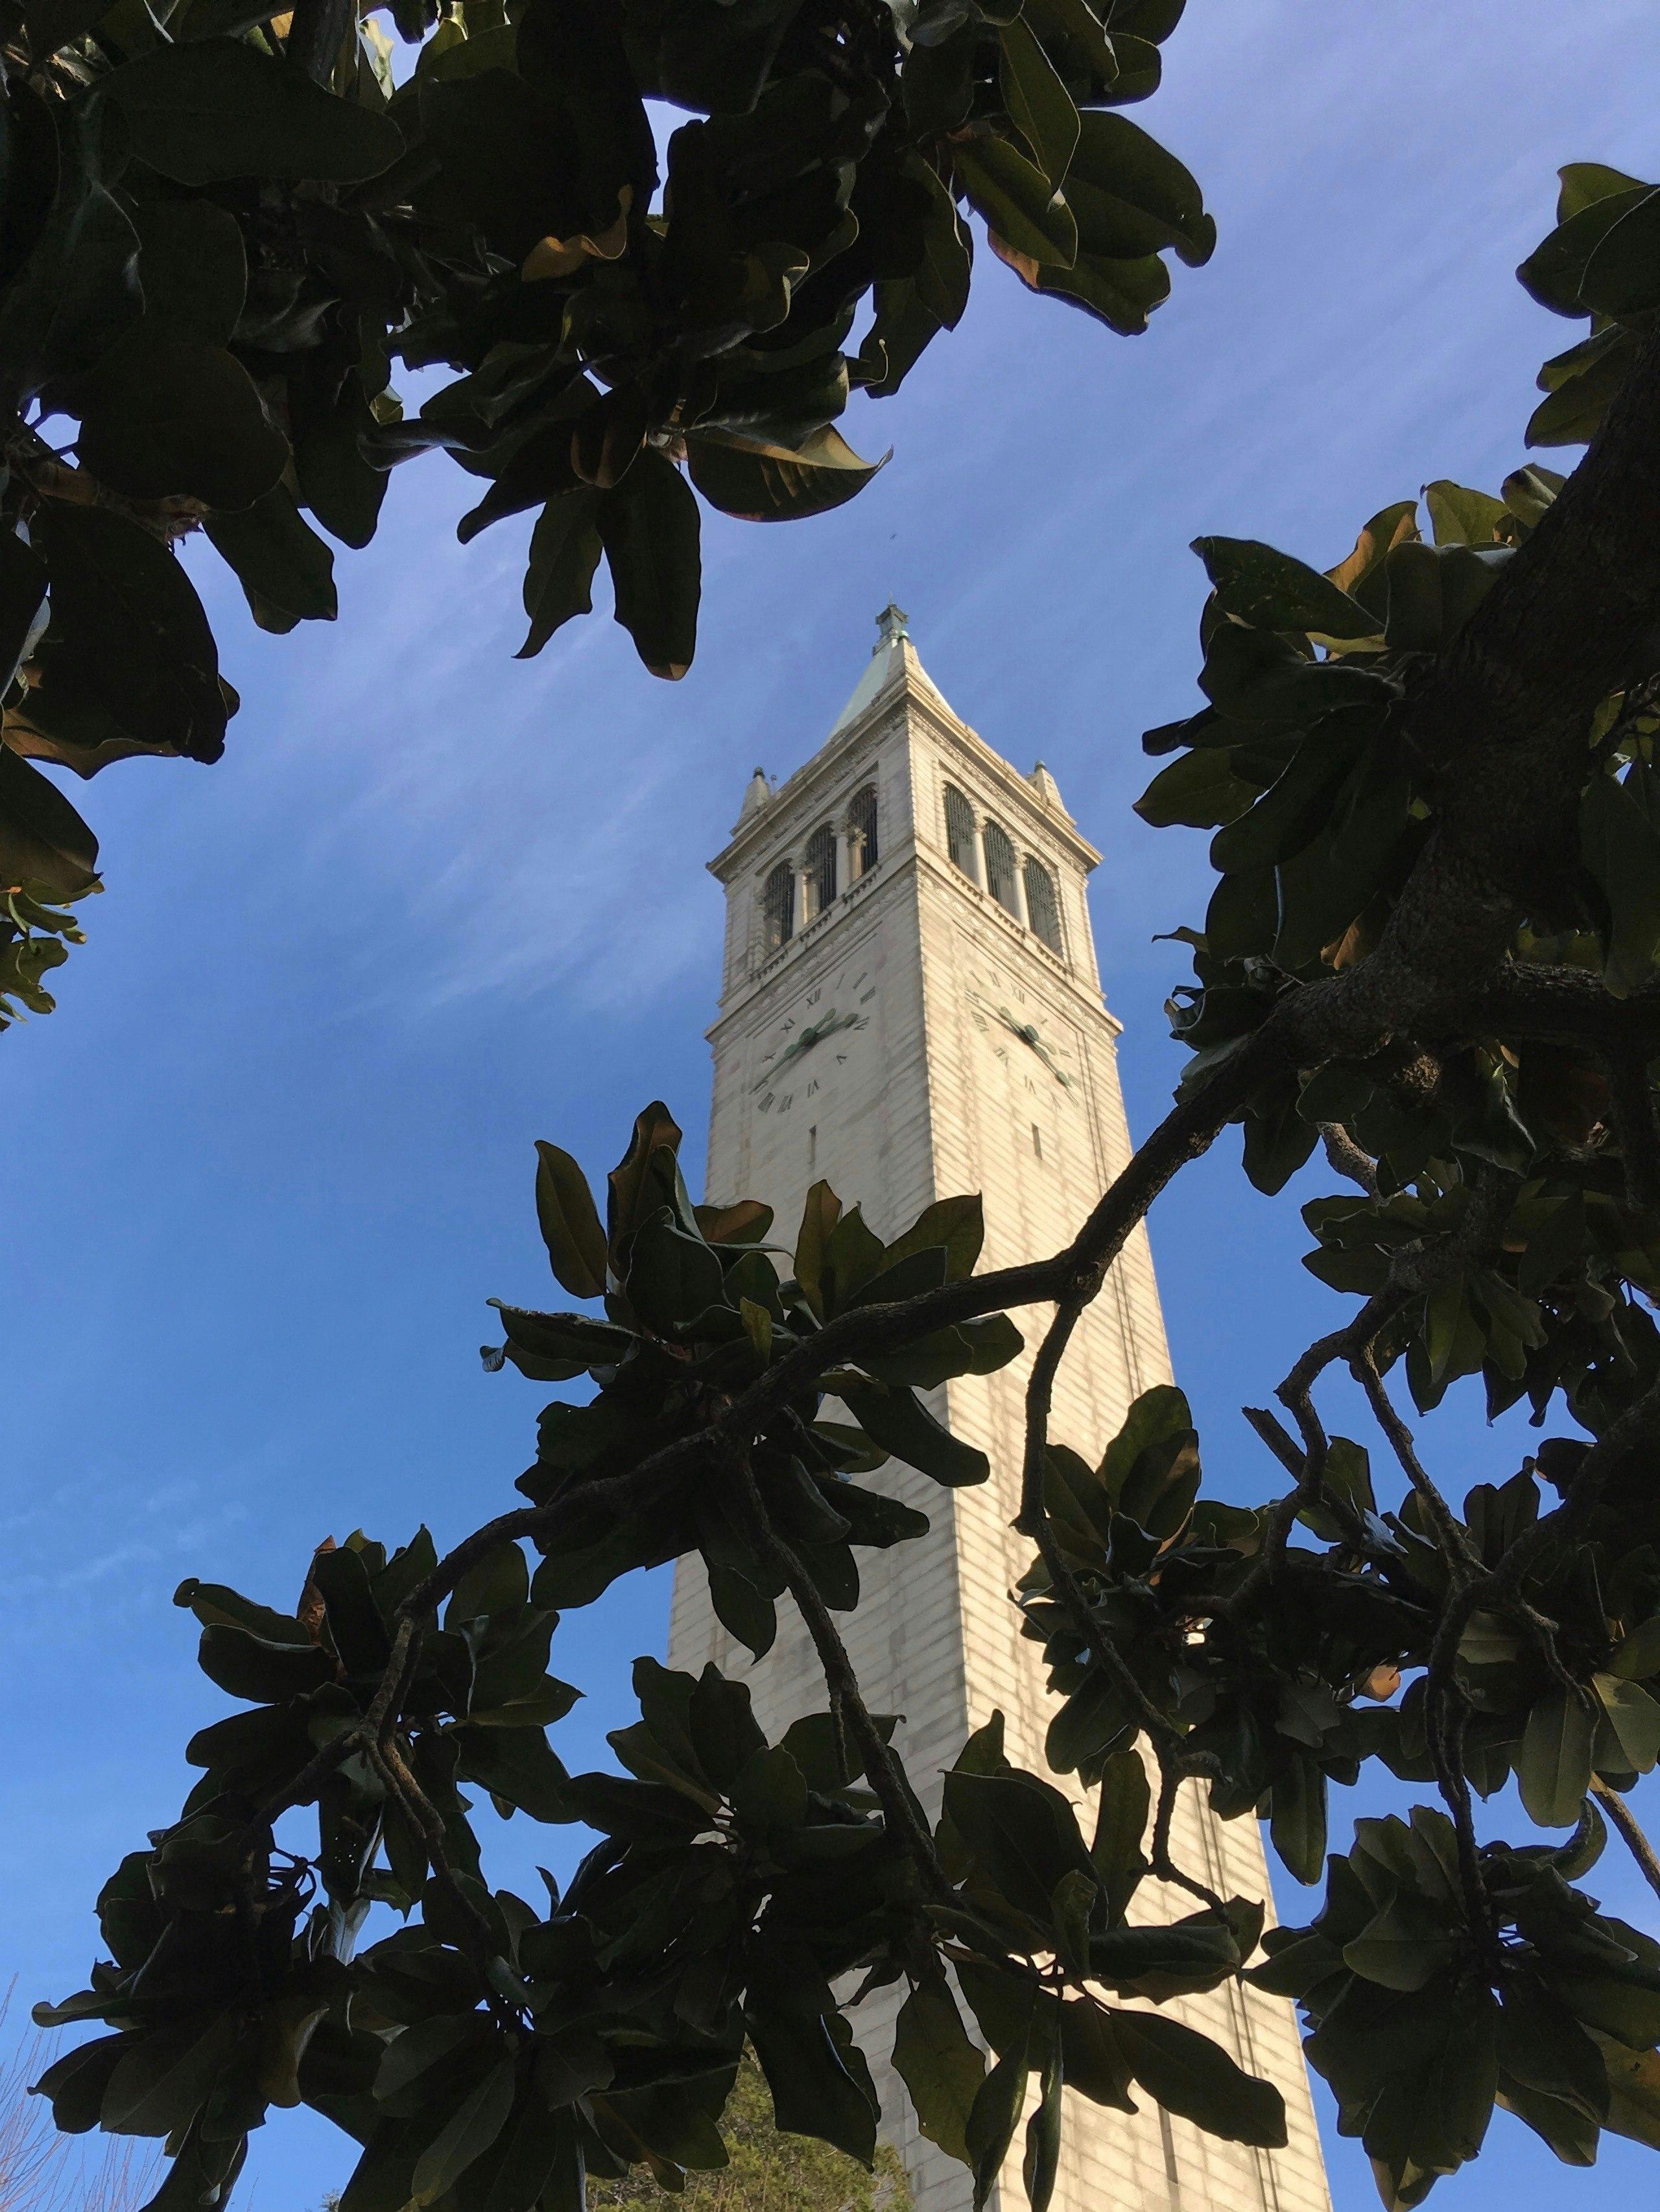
pixel 893 659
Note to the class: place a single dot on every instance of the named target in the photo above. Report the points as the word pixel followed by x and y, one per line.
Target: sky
pixel 273 1152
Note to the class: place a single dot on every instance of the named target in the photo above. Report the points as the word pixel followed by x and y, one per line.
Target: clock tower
pixel 911 1008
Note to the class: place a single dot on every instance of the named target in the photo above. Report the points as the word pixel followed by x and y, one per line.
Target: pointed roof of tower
pixel 1043 783
pixel 756 792
pixel 892 662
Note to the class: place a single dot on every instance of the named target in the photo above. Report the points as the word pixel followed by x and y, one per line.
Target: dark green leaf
pixel 740 1608
pixel 1039 102
pixel 762 483
pixel 128 657
pixel 1123 1805
pixel 43 841
pixel 1190 2075
pixel 1621 848
pixel 1553 1768
pixel 193 269
pixel 75 2085
pixel 902 1425
pixel 1404 1947
pixel 649 526
pixel 569 1222
pixel 1042 2163
pixel 166 417
pixel 1132 198
pixel 993 2115
pixel 724 1733
pixel 163 2080
pixel 215 109
pixel 564 552
pixel 284 566
pixel 819 2082
pixel 466 2134
pixel 1024 1834
pixel 940 2066
pixel 1272 590
pixel 1020 205
pixel 1096 2066
pixel 516 1765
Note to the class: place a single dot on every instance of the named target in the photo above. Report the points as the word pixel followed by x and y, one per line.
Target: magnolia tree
pixel 221 229
pixel 1433 945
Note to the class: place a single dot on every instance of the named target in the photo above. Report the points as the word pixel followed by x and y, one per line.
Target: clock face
pixel 1017 1036
pixel 810 1051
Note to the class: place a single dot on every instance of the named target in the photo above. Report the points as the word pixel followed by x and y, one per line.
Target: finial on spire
pixel 756 793
pixel 892 622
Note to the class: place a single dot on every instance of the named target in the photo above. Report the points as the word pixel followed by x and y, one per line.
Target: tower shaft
pixel 911 1009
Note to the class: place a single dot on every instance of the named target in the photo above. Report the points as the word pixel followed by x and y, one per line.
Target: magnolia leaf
pixel 466 2135
pixel 1038 102
pixel 43 841
pixel 1190 2075
pixel 1553 1766
pixel 1022 207
pixel 213 109
pixel 166 417
pixel 940 2067
pixel 762 483
pixel 1629 1738
pixel 564 552
pixel 1273 590
pixel 649 525
pixel 285 569
pixel 569 1222
pixel 899 1421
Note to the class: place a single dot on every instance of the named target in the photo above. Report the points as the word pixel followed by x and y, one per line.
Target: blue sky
pixel 274 1151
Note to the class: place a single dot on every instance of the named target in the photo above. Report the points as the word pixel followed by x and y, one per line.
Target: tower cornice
pixel 758 829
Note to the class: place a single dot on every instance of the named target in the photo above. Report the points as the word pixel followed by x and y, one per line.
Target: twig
pixel 388 1759
pixel 1356 1536
pixel 887 1777
pixel 1454 1539
pixel 1625 1819
pixel 1345 1157
pixel 1164 1866
pixel 1033 1521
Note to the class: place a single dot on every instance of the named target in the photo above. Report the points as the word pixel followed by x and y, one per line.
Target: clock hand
pixel 815 1033
pixel 1049 1061
pixel 1030 1035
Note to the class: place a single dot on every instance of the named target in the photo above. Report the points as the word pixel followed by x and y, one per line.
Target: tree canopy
pixel 1433 947
pixel 224 229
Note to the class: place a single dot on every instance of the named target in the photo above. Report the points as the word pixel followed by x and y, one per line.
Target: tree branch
pixel 887 1776
pixel 1625 1819
pixel 1449 1530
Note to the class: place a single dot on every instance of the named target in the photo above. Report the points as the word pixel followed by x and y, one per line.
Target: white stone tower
pixel 911 1008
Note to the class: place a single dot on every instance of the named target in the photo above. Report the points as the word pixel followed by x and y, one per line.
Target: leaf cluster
pixel 488 2054
pixel 222 231
pixel 1418 2034
pixel 695 1313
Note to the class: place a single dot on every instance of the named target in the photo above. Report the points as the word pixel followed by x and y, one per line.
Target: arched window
pixel 863 850
pixel 959 832
pixel 1000 867
pixel 778 906
pixel 820 885
pixel 1043 908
